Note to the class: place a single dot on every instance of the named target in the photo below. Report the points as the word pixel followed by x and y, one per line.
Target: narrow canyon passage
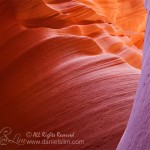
pixel 72 66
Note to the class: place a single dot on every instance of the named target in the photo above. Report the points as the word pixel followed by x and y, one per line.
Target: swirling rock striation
pixel 70 66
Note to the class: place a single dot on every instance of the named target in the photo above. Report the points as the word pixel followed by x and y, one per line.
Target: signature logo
pixel 5 140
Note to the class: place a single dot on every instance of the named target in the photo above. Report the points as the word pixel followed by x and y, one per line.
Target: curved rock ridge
pixel 70 66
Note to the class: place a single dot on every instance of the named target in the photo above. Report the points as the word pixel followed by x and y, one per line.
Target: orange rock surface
pixel 70 66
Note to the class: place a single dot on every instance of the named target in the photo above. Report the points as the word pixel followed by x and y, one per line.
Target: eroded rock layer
pixel 70 66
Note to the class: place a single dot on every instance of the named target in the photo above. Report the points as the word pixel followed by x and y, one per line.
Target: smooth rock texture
pixel 147 4
pixel 70 66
